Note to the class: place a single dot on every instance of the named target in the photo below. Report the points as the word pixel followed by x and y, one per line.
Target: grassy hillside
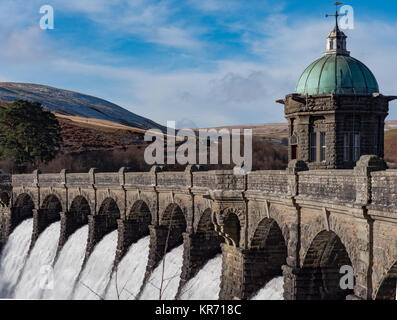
pixel 391 148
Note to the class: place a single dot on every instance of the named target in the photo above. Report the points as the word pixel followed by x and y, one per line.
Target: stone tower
pixel 336 114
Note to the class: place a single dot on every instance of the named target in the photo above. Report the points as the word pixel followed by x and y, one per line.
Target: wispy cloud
pixel 230 79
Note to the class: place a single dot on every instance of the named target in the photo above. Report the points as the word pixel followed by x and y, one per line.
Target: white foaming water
pixel 97 271
pixel 13 257
pixel 37 270
pixel 173 269
pixel 68 265
pixel 273 290
pixel 206 284
pixel 130 272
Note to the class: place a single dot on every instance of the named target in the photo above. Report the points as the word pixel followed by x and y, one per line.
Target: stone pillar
pixel 8 224
pixel 158 237
pixel 232 279
pixel 68 226
pixel 97 228
pixel 362 171
pixel 198 248
pixel 290 281
pixel 40 222
pixel 313 283
pixel 244 272
pixel 129 232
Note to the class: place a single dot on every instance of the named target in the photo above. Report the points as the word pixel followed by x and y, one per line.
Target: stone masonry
pixel 301 224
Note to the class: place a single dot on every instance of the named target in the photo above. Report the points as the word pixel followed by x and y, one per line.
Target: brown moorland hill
pixel 391 148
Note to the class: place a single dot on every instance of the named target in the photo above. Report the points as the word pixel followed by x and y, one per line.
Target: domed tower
pixel 336 113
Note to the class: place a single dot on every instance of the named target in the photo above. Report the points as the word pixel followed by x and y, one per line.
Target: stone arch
pixel 5 199
pixel 231 229
pixel 174 220
pixel 22 209
pixel 203 244
pixel 110 212
pixel 205 230
pixel 268 251
pixel 77 216
pixel 387 288
pixel 140 212
pixel 51 208
pixel 102 223
pixel 50 195
pixel 81 193
pixel 79 211
pixel 50 212
pixel 148 198
pixel 16 196
pixel 103 197
pixel 205 222
pixel 319 277
pixel 141 217
pixel 268 236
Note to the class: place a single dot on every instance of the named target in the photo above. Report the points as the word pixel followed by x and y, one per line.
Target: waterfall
pixel 173 268
pixel 206 284
pixel 130 272
pixel 97 271
pixel 68 265
pixel 37 273
pixel 13 257
pixel 32 277
pixel 273 290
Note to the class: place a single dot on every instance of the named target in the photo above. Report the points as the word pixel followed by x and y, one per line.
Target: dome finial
pixel 336 15
pixel 336 40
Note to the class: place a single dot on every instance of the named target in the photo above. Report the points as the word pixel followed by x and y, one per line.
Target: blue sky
pixel 207 62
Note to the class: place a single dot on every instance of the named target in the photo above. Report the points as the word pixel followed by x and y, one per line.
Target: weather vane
pixel 336 15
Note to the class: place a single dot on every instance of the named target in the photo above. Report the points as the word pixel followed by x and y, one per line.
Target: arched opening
pixel 110 213
pixel 205 224
pixel 79 212
pixel 140 217
pixel 320 276
pixel 22 209
pixel 269 251
pixel 174 219
pixel 232 228
pixel 387 289
pixel 4 199
pixel 51 209
pixel 209 239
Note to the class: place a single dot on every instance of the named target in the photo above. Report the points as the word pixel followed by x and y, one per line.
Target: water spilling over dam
pixel 39 276
pixel 264 235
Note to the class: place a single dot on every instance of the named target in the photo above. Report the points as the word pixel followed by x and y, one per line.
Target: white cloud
pixel 245 92
pixel 25 45
pixel 151 21
pixel 214 5
pixel 174 37
pixel 231 92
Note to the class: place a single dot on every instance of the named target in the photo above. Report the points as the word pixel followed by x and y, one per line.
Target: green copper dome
pixel 337 74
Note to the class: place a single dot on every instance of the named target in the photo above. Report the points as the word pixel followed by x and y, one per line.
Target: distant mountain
pixel 74 104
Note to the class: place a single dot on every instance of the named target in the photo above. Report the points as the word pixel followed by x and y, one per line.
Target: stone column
pixel 290 281
pixel 232 279
pixel 97 228
pixel 158 237
pixel 362 171
pixel 68 226
pixel 128 233
pixel 198 248
pixel 8 224
pixel 39 224
pixel 244 272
